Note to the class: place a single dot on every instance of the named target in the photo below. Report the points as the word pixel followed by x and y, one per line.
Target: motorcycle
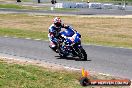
pixel 71 44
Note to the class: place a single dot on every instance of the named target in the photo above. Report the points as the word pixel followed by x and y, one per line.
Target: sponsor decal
pixel 86 81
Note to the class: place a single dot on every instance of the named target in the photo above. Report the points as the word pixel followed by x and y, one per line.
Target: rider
pixel 54 32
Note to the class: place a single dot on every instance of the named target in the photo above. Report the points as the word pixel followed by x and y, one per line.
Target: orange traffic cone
pixel 85 73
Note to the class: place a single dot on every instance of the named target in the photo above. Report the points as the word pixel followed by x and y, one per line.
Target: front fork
pixel 76 50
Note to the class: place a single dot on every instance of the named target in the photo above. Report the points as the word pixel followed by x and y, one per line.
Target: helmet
pixel 57 22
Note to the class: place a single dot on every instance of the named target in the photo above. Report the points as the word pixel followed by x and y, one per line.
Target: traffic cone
pixel 85 73
pixel 85 81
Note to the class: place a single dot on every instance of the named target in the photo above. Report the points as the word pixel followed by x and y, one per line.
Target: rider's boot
pixel 54 49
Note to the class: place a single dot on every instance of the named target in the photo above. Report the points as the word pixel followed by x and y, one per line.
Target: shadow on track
pixel 70 58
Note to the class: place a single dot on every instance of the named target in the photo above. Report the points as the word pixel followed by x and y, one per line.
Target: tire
pixel 85 81
pixel 82 54
pixel 62 55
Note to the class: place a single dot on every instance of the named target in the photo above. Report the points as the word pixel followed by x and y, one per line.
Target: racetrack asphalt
pixel 80 12
pixel 108 60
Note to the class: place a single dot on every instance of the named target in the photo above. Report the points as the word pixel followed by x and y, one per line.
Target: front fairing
pixel 69 32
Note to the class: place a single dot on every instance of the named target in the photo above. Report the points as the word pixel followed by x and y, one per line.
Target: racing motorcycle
pixel 71 44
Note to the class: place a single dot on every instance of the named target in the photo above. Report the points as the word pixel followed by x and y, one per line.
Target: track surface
pixel 81 12
pixel 109 60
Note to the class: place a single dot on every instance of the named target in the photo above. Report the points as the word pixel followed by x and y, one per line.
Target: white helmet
pixel 57 22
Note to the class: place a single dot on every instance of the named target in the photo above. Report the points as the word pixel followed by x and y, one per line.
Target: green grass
pixel 13 6
pixel 19 6
pixel 22 33
pixel 30 76
pixel 13 75
pixel 65 9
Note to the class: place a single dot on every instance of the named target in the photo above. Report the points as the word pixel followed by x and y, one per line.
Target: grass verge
pixel 21 6
pixel 13 6
pixel 66 9
pixel 30 76
pixel 17 74
pixel 32 7
pixel 22 33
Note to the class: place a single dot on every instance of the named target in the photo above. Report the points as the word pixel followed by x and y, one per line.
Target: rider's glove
pixel 66 26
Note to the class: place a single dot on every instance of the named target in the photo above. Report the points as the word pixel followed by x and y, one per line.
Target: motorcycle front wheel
pixel 82 54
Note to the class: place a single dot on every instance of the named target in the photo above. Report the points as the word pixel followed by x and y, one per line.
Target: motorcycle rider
pixel 54 32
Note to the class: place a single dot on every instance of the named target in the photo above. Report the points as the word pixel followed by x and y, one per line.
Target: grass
pixel 13 6
pixel 30 76
pixel 66 9
pixel 26 75
pixel 22 33
pixel 20 6
pixel 94 30
pixel 21 0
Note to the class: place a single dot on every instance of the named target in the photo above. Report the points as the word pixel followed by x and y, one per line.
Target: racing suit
pixel 54 34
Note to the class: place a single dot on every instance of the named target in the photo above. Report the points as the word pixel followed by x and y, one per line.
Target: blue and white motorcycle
pixel 71 44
